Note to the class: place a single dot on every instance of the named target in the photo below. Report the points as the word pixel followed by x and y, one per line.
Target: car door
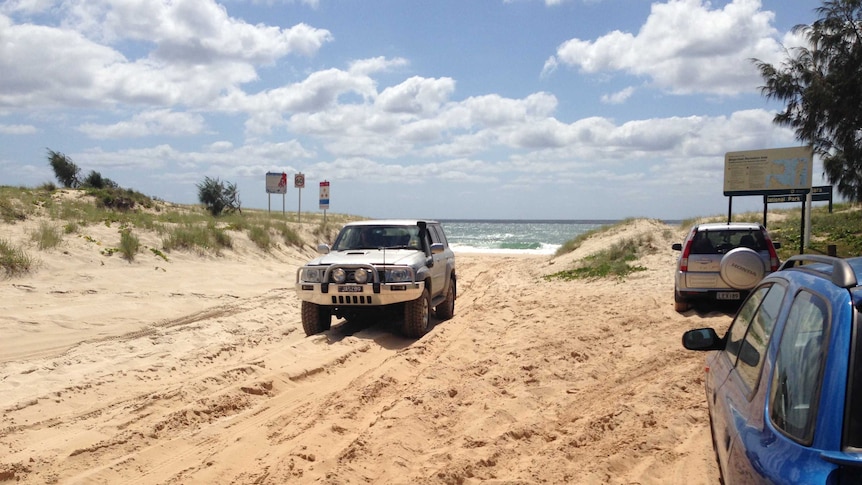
pixel 738 369
pixel 438 271
pixel 779 449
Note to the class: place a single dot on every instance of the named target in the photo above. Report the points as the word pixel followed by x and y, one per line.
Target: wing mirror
pixel 702 339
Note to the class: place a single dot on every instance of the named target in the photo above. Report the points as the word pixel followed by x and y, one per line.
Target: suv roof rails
pixel 842 273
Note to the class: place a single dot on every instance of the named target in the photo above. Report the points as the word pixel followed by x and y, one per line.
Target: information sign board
pixel 776 171
pixel 276 183
pixel 299 181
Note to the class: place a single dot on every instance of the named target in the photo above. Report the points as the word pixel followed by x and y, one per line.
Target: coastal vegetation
pixel 66 213
pixel 618 260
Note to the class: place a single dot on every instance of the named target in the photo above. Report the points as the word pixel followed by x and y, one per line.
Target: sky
pixel 447 109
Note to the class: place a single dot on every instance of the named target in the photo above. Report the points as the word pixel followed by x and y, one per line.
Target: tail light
pixel 773 256
pixel 683 260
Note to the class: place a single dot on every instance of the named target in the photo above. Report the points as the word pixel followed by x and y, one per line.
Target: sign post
pixel 324 198
pixel 299 183
pixel 276 183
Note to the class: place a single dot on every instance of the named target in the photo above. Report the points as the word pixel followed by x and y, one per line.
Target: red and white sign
pixel 299 181
pixel 324 195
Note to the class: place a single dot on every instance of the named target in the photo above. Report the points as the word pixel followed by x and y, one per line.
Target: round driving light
pixel 338 275
pixel 361 275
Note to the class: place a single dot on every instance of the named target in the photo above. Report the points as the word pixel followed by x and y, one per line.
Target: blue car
pixel 784 384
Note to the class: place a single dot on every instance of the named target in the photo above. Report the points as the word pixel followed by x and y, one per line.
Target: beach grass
pixel 129 244
pixel 573 244
pixel 46 236
pixel 13 259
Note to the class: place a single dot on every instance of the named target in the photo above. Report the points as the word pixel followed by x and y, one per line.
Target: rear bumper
pixel 369 294
pixel 710 286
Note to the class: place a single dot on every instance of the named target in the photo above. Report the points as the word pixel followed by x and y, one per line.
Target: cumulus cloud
pixel 148 123
pixel 17 129
pixel 618 97
pixel 186 52
pixel 684 47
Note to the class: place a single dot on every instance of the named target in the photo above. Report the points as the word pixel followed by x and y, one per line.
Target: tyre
pixel 315 318
pixel 742 268
pixel 417 316
pixel 680 304
pixel 446 309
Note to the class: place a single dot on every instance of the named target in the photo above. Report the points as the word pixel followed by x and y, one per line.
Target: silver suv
pixel 400 268
pixel 722 261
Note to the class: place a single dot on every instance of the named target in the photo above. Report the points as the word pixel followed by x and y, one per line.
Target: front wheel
pixel 315 318
pixel 446 309
pixel 417 316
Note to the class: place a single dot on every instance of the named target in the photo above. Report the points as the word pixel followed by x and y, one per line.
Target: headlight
pixel 312 275
pixel 338 275
pixel 361 276
pixel 398 275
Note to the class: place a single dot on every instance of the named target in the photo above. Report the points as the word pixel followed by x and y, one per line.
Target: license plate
pixel 727 295
pixel 350 289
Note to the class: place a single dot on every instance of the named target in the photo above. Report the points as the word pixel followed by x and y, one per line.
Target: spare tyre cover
pixel 741 268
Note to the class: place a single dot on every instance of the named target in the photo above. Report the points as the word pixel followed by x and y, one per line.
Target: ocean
pixel 515 236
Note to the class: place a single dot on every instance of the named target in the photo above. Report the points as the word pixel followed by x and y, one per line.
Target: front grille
pixel 352 300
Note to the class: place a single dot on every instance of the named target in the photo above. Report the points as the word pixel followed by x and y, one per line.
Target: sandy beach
pixel 196 370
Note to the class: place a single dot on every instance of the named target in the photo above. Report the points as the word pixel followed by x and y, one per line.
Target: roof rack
pixel 842 273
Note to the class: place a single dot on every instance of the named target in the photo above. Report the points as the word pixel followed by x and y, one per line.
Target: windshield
pixel 378 237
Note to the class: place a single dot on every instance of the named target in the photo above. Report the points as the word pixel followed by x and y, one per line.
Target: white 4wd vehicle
pixel 377 268
pixel 722 261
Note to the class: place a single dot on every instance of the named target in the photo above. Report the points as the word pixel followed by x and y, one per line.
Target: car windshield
pixel 378 237
pixel 723 240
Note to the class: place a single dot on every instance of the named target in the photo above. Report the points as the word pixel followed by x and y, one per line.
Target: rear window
pixel 723 240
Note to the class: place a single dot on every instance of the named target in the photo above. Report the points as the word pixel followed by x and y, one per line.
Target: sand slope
pixel 196 370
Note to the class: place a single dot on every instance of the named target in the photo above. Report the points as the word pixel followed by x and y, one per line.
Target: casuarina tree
pixel 64 169
pixel 820 85
pixel 219 197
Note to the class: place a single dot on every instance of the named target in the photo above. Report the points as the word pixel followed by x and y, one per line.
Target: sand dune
pixel 196 370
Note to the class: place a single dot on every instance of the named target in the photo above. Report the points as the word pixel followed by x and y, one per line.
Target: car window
pixel 796 379
pixel 441 236
pixel 372 237
pixel 739 326
pixel 753 349
pixel 722 241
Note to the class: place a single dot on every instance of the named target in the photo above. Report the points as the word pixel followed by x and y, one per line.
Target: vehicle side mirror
pixel 676 247
pixel 702 339
pixel 323 248
pixel 437 248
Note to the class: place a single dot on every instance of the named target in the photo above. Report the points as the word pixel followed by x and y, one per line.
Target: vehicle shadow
pixel 384 332
pixel 708 309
